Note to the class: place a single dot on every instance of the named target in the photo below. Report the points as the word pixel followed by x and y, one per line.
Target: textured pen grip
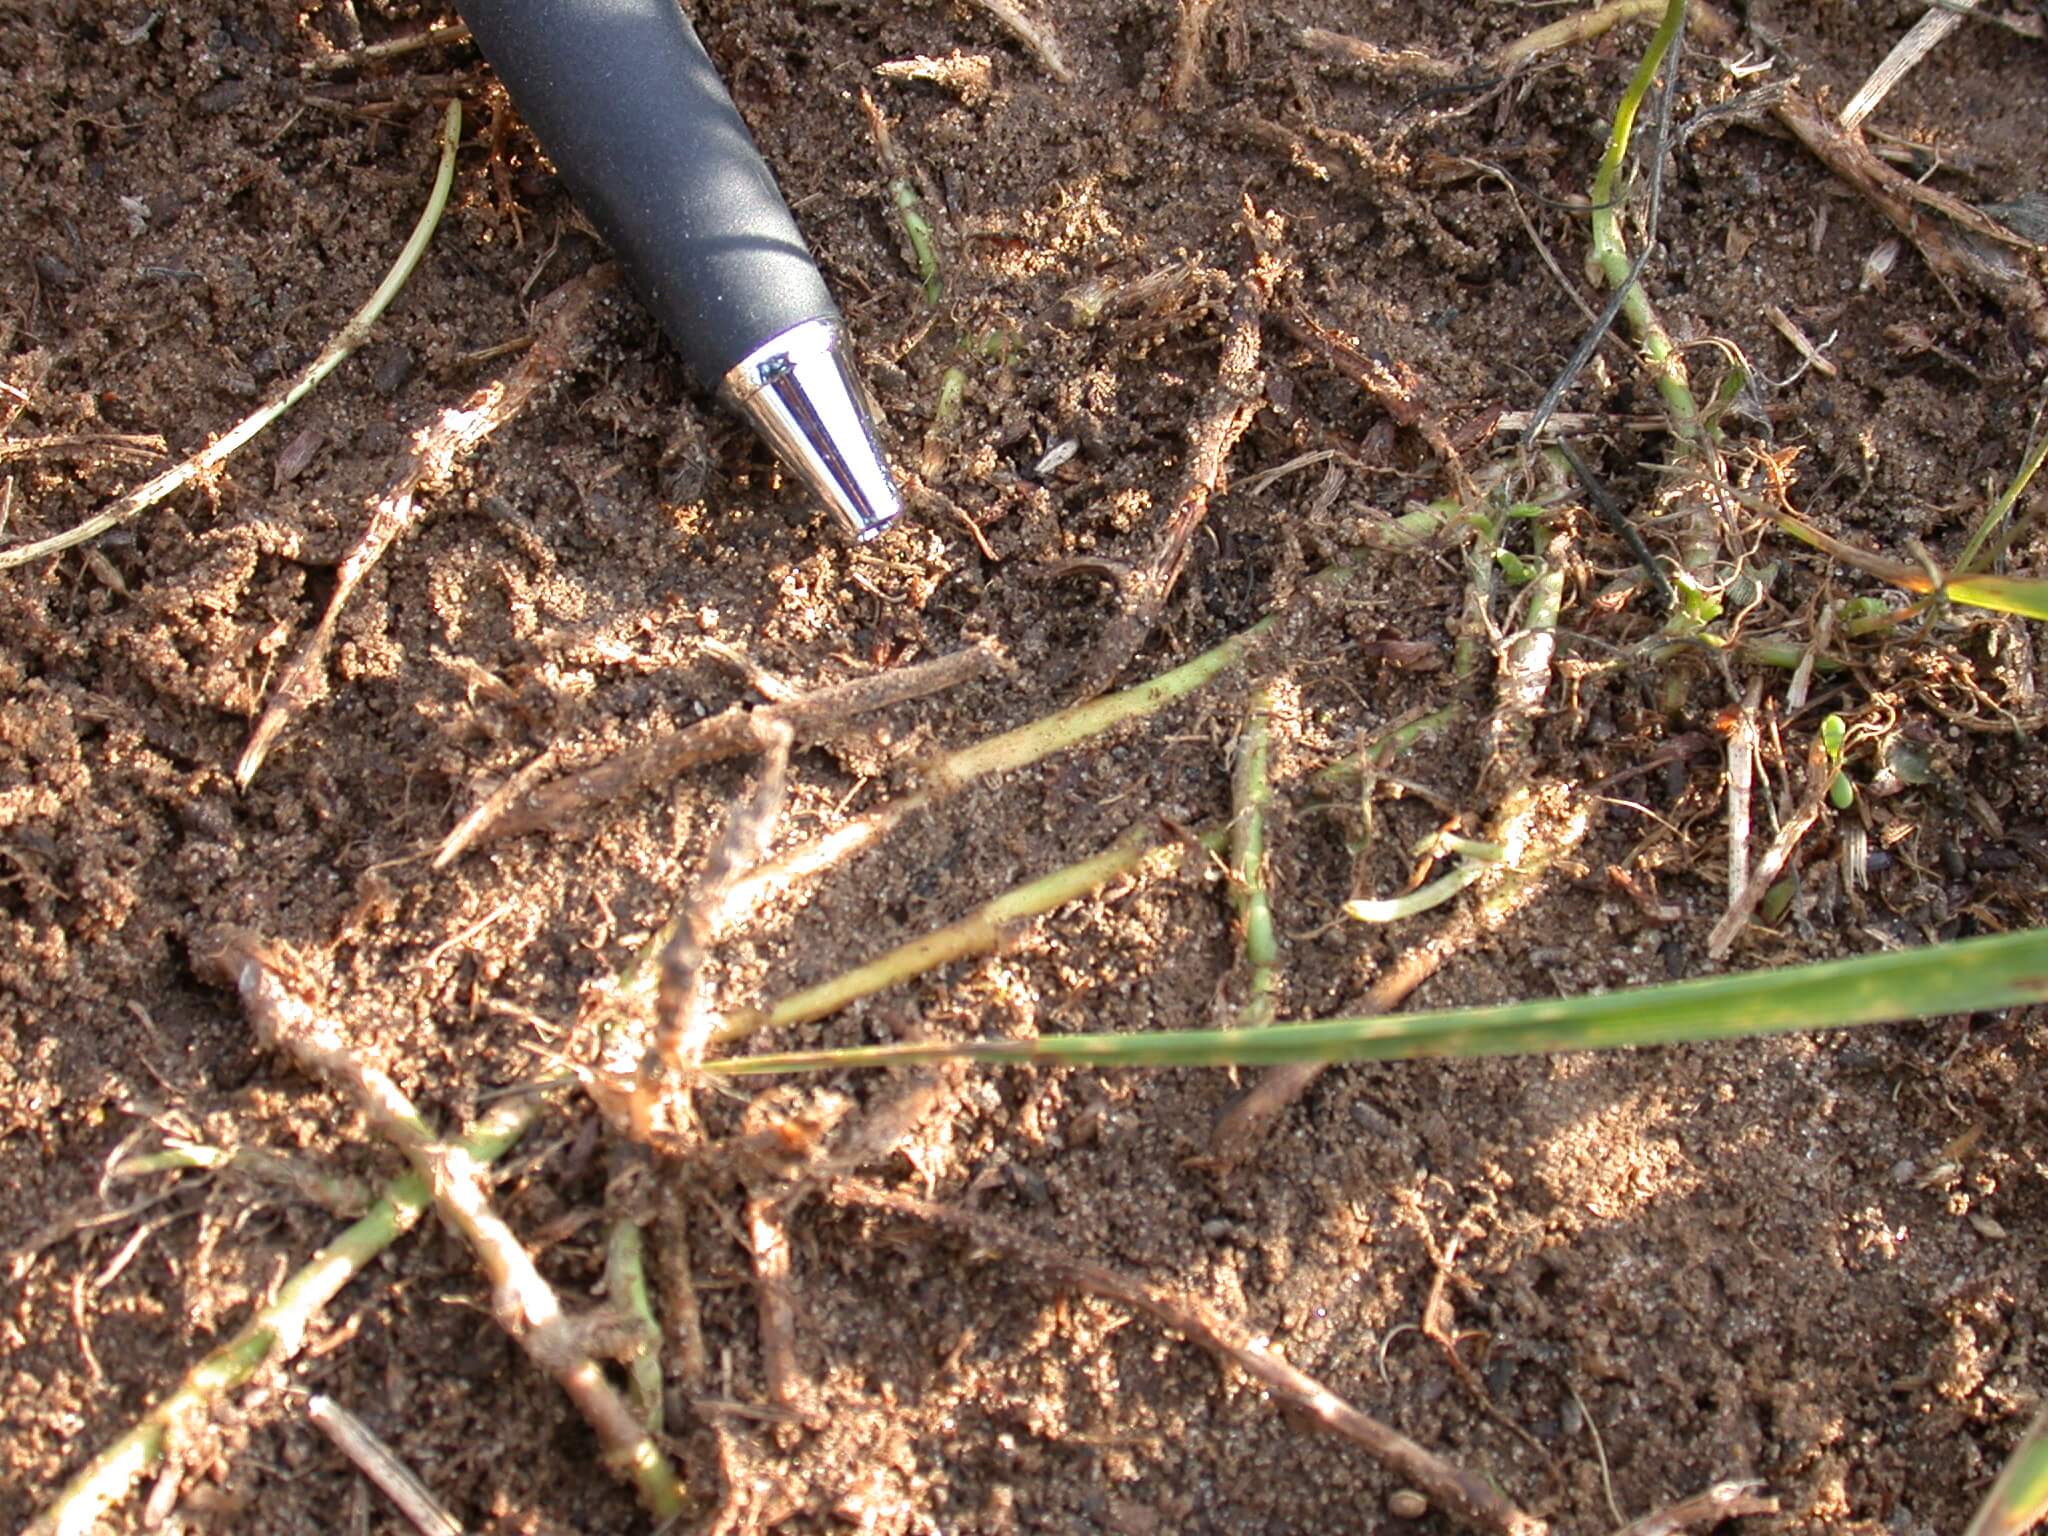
pixel 628 105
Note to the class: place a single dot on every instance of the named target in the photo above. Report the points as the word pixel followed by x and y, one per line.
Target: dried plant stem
pixel 523 1302
pixel 1742 755
pixel 380 1464
pixel 1473 1498
pixel 391 48
pixel 774 1300
pixel 1220 421
pixel 1988 264
pixel 1704 1510
pixel 1926 33
pixel 682 1319
pixel 563 338
pixel 1741 903
pixel 346 340
pixel 1189 33
pixel 1251 791
pixel 275 1334
pixel 1033 33
pixel 1580 27
pixel 682 1023
pixel 732 732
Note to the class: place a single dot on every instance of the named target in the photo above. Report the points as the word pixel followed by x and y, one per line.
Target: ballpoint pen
pixel 629 107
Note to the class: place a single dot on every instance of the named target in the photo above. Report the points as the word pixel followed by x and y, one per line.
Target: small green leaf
pixel 1518 571
pixel 1696 603
pixel 1834 730
pixel 1778 899
pixel 1841 793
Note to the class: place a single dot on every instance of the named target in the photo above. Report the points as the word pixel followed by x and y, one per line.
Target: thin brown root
pixel 1535 828
pixel 730 733
pixel 1820 774
pixel 1472 1497
pixel 523 1302
pixel 1723 1501
pixel 563 341
pixel 1224 414
pixel 1033 33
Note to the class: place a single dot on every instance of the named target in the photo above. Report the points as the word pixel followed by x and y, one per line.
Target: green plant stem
pixel 350 336
pixel 1610 247
pixel 275 1334
pixel 1250 792
pixel 980 932
pixel 625 1271
pixel 343 1196
pixel 918 230
pixel 1966 976
pixel 1475 631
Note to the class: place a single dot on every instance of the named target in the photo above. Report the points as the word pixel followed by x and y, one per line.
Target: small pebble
pixel 1407 1504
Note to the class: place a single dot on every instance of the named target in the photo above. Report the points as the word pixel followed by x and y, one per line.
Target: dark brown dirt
pixel 1805 1261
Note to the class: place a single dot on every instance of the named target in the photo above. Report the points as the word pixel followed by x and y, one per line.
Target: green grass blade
pixel 2019 1499
pixel 2026 596
pixel 1961 977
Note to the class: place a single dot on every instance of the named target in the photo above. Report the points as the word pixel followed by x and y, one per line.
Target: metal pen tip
pixel 801 393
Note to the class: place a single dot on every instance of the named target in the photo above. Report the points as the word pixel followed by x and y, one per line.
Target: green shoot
pixel 1995 515
pixel 1834 736
pixel 1250 790
pixel 1966 976
pixel 275 1334
pixel 625 1278
pixel 1610 249
pixel 917 229
pixel 978 933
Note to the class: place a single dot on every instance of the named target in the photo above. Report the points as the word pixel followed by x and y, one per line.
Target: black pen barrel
pixel 630 109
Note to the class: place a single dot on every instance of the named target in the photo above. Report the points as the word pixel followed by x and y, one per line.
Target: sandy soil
pixel 1805 1261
